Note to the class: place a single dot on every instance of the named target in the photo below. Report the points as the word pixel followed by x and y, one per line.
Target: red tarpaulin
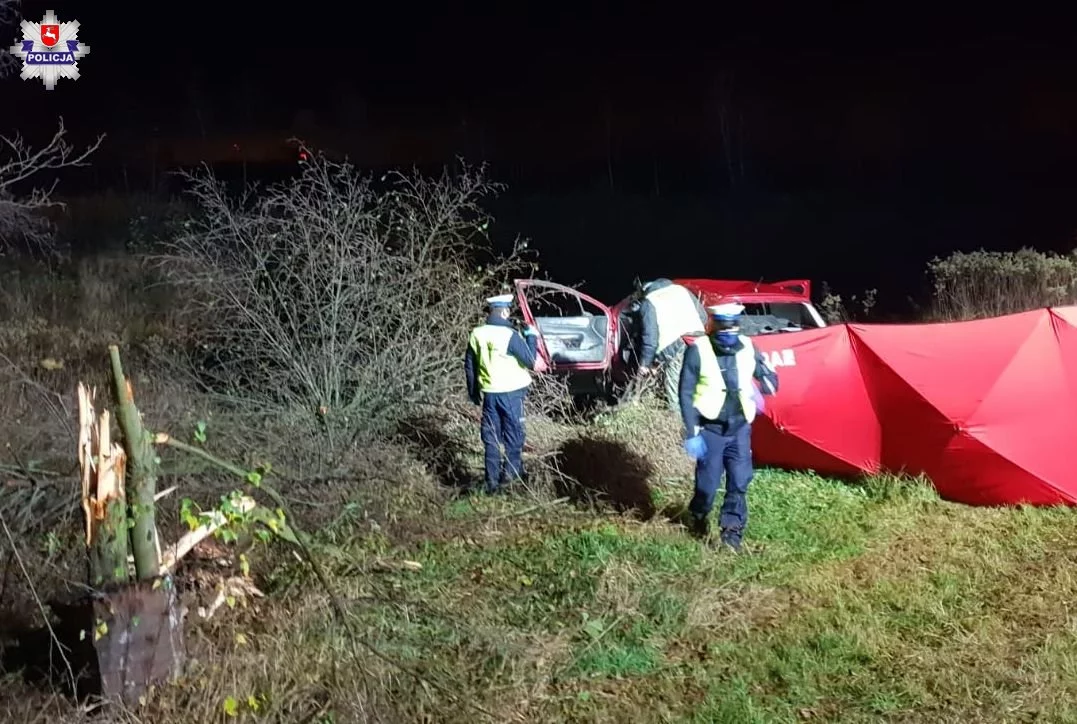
pixel 986 409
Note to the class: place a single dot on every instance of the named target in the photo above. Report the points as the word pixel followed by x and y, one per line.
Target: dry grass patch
pixel 621 588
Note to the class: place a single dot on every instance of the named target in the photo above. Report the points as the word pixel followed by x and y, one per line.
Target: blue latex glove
pixel 696 447
pixel 530 331
pixel 760 403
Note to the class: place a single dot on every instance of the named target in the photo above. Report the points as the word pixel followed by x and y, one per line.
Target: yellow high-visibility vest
pixel 498 371
pixel 710 392
pixel 675 309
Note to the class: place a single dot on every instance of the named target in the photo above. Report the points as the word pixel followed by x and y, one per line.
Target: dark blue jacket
pixel 522 348
pixel 732 416
pixel 648 322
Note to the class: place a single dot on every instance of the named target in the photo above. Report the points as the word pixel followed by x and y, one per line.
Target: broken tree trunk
pixel 104 503
pixel 134 629
pixel 138 639
pixel 142 467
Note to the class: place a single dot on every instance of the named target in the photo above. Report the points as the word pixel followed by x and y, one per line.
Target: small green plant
pixel 231 706
pixel 237 514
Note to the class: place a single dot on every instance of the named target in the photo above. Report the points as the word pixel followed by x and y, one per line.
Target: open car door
pixel 576 332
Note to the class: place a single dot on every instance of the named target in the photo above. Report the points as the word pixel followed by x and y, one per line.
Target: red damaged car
pixel 595 345
pixel 985 409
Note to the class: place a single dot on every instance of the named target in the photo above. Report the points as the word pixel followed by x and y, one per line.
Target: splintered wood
pixel 102 462
pixel 138 626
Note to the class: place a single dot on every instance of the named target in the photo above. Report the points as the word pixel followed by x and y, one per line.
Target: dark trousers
pixel 672 359
pixel 732 454
pixel 503 424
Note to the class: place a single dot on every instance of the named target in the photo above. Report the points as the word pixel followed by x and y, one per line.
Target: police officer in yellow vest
pixel 719 400
pixel 667 313
pixel 497 364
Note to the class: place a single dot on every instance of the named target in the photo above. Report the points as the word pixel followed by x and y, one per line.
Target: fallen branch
pixel 384 566
pixel 22 472
pixel 166 491
pixel 175 552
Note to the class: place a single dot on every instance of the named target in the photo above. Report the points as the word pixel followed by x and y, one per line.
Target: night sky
pixel 764 142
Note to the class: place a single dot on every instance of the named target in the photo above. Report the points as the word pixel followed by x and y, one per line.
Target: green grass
pixel 857 603
pixel 866 603
pixel 860 602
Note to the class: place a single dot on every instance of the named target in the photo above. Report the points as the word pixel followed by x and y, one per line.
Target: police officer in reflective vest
pixel 719 400
pixel 497 364
pixel 667 313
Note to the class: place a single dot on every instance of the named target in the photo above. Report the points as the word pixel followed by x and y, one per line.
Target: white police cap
pixel 730 310
pixel 501 300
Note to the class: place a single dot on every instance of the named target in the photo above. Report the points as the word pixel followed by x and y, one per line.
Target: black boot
pixel 701 527
pixel 731 540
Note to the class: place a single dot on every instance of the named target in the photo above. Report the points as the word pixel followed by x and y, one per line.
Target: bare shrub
pixel 983 284
pixel 9 14
pixel 549 396
pixel 337 301
pixel 837 310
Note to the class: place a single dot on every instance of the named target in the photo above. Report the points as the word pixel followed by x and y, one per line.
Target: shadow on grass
pixel 606 470
pixel 42 655
pixel 677 513
pixel 444 455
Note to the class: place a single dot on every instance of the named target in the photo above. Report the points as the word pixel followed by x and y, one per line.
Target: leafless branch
pixel 21 163
pixel 9 16
pixel 339 299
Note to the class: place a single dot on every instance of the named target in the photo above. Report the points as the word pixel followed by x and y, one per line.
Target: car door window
pixel 573 329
